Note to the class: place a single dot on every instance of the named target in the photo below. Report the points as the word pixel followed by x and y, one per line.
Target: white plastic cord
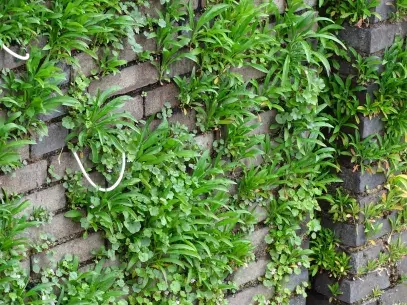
pixel 25 57
pixel 95 185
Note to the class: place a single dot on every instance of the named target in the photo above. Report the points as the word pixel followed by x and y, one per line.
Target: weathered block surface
pixel 372 39
pixel 156 98
pixel 26 178
pixel 396 295
pixel 55 140
pixel 53 198
pixel 252 272
pixel 60 227
pixel 246 296
pixel 135 107
pixel 353 235
pixel 79 247
pixel 353 290
pixel 358 182
pixel 360 258
pixel 128 79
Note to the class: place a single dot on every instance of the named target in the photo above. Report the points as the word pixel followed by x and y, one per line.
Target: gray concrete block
pixel 25 265
pixel 86 63
pixel 298 300
pixel 129 79
pixel 60 111
pixel 401 267
pixel 205 141
pixel 156 98
pixel 357 182
pixel 260 213
pixel 181 67
pixel 188 119
pixel 360 258
pixel 257 240
pixel 374 197
pixel 353 235
pixel 62 162
pixel 53 198
pixel 372 39
pixel 295 280
pixel 60 227
pixel 246 296
pixel 251 272
pixel 265 119
pixel 129 55
pixel 353 290
pixel 79 247
pixel 385 9
pixel 26 178
pixel 394 295
pixel 248 73
pixel 24 152
pixel 370 126
pixel 55 140
pixel 135 107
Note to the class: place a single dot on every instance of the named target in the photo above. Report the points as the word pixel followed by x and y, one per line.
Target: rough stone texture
pixel 296 279
pixel 371 126
pixel 129 55
pixel 260 213
pixel 26 178
pixel 372 39
pixel 79 247
pixel 60 227
pixel 135 107
pixel 205 141
pixel 156 98
pixel 55 140
pixel 248 73
pixel 60 111
pixel 66 160
pixel 257 240
pixel 188 120
pixel 24 152
pixel 353 235
pixel 394 295
pixel 371 198
pixel 128 79
pixel 53 198
pixel 86 63
pixel 385 9
pixel 25 265
pixel 353 290
pixel 360 258
pixel 358 182
pixel 298 300
pixel 245 297
pixel 265 119
pixel 401 267
pixel 251 272
pixel 181 67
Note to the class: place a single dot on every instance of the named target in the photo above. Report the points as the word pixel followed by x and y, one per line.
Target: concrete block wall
pixel 366 188
pixel 140 81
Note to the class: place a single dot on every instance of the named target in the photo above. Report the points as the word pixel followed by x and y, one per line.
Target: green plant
pixel 174 227
pixel 343 208
pixel 91 120
pixel 33 93
pixel 335 290
pixel 21 21
pixel 356 12
pixel 325 255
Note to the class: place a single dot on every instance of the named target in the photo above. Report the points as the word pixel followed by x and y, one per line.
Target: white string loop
pixel 95 185
pixel 25 57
